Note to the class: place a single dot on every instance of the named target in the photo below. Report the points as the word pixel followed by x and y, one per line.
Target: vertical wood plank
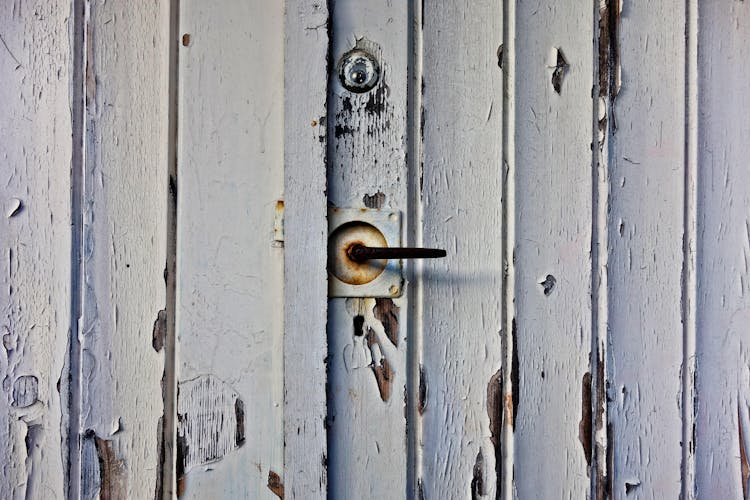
pixel 229 315
pixel 646 140
pixel 35 243
pixel 460 386
pixel 553 208
pixel 367 168
pixel 305 278
pixel 722 432
pixel 124 248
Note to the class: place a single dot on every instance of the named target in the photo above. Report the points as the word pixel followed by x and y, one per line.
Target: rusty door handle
pixel 361 253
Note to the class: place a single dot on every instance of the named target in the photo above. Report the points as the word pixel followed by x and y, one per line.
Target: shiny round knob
pixel 359 71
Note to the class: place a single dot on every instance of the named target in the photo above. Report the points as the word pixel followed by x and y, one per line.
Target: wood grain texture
pixel 305 228
pixel 461 185
pixel 646 144
pixel 124 247
pixel 552 243
pixel 35 244
pixel 723 228
pixel 229 315
pixel 367 167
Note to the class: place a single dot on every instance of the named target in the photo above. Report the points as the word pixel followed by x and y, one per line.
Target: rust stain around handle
pixel 361 253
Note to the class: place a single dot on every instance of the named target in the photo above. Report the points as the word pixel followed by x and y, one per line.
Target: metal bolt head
pixel 359 71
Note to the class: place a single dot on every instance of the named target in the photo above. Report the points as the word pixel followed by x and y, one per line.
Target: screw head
pixel 359 71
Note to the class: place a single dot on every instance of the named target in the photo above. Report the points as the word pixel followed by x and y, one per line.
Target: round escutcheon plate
pixel 344 268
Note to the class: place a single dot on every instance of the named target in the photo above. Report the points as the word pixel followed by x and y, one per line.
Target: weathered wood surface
pixel 368 337
pixel 305 281
pixel 643 103
pixel 123 254
pixel 459 176
pixel 586 335
pixel 722 431
pixel 551 326
pixel 35 243
pixel 229 271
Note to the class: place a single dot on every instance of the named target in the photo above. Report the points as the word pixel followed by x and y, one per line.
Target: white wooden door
pixel 170 172
pixel 580 339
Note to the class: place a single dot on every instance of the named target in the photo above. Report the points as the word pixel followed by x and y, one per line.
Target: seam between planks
pixel 600 446
pixel 690 239
pixel 168 479
pixel 79 20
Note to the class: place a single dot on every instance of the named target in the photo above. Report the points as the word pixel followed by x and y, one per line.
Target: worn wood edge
pixel 690 257
pixel 415 238
pixel 305 291
pixel 508 59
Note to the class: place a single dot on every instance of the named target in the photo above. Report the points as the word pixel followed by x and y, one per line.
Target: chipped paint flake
pixel 15 207
pixel 386 311
pixel 275 484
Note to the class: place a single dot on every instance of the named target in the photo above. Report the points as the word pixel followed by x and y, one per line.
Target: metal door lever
pixel 361 253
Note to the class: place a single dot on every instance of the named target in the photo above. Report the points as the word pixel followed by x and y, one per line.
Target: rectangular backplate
pixel 389 282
